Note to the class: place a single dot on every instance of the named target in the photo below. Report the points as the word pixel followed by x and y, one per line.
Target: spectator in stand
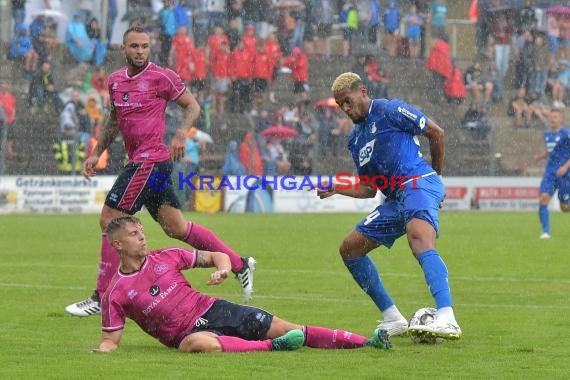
pixel 349 20
pixel 249 40
pixel 200 22
pixel 273 51
pixel 112 12
pixel 524 61
pixel 324 13
pixel 42 94
pixel 233 33
pixel 21 48
pixel 199 71
pixel 481 88
pixel 167 23
pixel 240 72
pixel 249 155
pixel 278 157
pixel 182 16
pixel 103 162
pixel 8 109
pixel 564 25
pixel 74 121
pixel 374 22
pixel 554 84
pixel 502 31
pixel 93 111
pixel 215 42
pixel 100 83
pixel 376 80
pixel 414 22
pixel 521 109
pixel 77 40
pixel 18 14
pixel 262 75
pixel 440 65
pixel 235 11
pixel 392 15
pixel 100 47
pixel 232 164
pixel 220 70
pixel 327 123
pixel 541 65
pixel 299 65
pixel 181 54
pixel 438 12
pixel 527 16
pixel 69 155
pixel 285 28
pixel 38 34
pixel 553 32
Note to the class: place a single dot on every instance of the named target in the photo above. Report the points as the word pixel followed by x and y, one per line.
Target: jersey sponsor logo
pixel 154 290
pixel 366 152
pixel 406 113
pixel 132 294
pixel 373 128
pixel 160 268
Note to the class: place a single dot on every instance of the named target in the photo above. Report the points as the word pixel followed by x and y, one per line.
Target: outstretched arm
pixel 206 259
pixel 436 138
pixel 110 131
pixel 360 191
pixel 109 341
pixel 191 113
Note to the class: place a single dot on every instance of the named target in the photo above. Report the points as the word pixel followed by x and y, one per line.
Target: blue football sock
pixel 435 273
pixel 365 274
pixel 544 218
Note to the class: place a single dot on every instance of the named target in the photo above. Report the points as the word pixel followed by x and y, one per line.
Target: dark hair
pixel 134 29
pixel 118 223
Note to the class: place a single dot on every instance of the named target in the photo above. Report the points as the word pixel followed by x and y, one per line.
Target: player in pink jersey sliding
pixel 139 94
pixel 150 289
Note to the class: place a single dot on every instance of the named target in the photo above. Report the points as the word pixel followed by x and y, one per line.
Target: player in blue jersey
pixel 384 146
pixel 556 174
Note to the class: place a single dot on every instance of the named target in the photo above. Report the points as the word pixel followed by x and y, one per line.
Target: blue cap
pixel 23 27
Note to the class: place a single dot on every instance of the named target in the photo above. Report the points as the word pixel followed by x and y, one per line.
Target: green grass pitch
pixel 511 293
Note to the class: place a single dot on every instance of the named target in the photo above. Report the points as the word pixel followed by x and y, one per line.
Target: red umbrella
pixel 559 10
pixel 281 131
pixel 327 103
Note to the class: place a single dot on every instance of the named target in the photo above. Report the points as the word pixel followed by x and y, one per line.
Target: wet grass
pixel 510 290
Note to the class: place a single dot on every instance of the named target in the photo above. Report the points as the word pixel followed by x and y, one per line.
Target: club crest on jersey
pixel 126 97
pixel 160 268
pixel 373 127
pixel 154 290
pixel 366 153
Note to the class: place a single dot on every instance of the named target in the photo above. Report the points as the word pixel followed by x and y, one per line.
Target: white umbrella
pixel 53 13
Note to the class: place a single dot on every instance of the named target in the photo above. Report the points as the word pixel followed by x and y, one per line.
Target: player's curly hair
pixel 346 81
pixel 118 223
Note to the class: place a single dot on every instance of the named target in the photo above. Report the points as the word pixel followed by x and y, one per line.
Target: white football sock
pixel 392 314
pixel 446 313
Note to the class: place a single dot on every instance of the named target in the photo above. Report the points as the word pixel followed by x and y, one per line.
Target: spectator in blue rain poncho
pixel 77 40
pixel 232 164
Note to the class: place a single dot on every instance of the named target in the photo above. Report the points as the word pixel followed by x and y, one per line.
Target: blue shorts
pixel 550 183
pixel 388 221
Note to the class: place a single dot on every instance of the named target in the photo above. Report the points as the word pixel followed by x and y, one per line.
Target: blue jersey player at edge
pixel 557 172
pixel 383 142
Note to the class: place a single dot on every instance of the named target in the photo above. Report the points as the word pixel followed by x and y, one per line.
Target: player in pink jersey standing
pixel 139 94
pixel 150 289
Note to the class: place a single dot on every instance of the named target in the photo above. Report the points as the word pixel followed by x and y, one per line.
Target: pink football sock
pixel 233 344
pixel 203 239
pixel 108 265
pixel 321 337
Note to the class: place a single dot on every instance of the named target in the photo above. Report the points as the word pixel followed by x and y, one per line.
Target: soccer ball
pixel 421 317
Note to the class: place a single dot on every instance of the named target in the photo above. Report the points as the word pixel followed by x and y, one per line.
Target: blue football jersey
pixel 558 147
pixel 386 143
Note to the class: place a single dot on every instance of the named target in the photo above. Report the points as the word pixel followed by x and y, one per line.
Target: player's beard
pixel 137 67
